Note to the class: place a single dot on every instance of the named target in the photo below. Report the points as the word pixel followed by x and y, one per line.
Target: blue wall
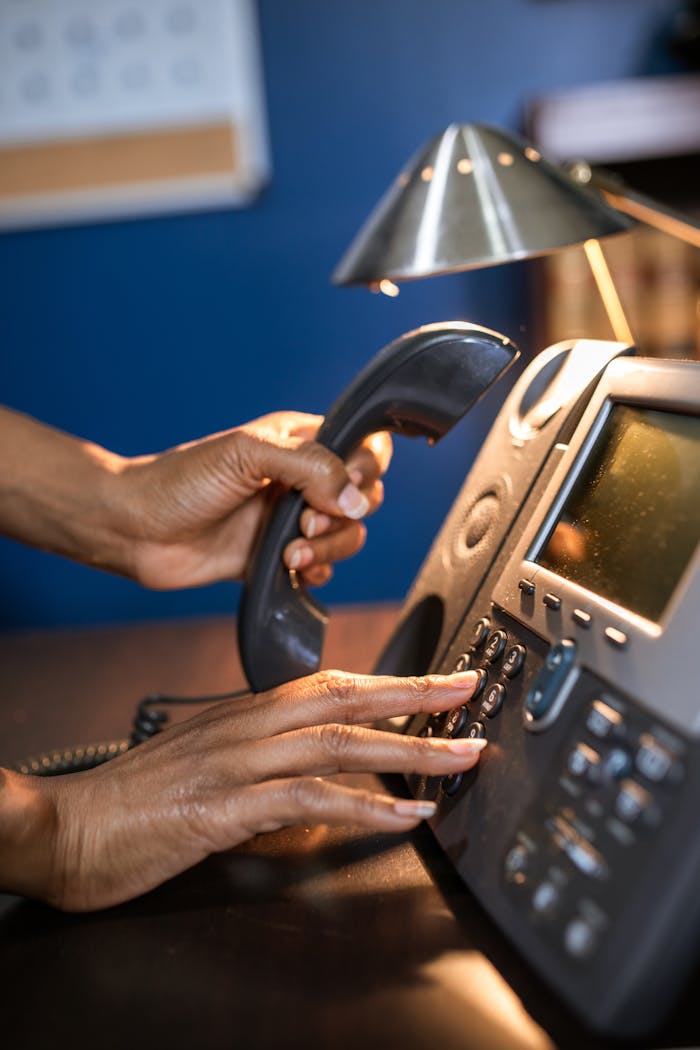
pixel 143 334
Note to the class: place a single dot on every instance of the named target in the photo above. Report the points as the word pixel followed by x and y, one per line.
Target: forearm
pixel 59 493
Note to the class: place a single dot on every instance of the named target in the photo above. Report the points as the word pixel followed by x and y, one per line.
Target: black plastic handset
pixel 421 384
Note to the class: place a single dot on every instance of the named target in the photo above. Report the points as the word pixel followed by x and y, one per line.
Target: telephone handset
pixel 420 384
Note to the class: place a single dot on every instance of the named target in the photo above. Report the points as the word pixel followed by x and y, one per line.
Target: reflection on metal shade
pixel 475 196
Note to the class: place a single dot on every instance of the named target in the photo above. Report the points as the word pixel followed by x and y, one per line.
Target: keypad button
pixel 545 899
pixel 618 639
pixel 456 721
pixel 482 678
pixel 582 618
pixel 583 761
pixel 463 662
pixel 653 760
pixel 552 601
pixel 475 731
pixel 546 687
pixel 602 720
pixel 513 660
pixel 495 646
pixel 616 764
pixel 480 632
pixel 582 854
pixel 526 586
pixel 580 939
pixel 493 700
pixel 632 802
pixel 516 863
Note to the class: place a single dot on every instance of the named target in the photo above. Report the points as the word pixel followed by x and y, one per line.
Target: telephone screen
pixel 631 522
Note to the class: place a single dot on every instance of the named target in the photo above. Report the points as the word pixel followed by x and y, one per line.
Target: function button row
pixel 613 635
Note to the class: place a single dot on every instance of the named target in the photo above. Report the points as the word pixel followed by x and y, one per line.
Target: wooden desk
pixel 310 937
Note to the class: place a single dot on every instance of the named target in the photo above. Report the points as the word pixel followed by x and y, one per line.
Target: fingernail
pixel 300 557
pixel 406 807
pixel 317 524
pixel 466 746
pixel 355 476
pixel 462 680
pixel 352 503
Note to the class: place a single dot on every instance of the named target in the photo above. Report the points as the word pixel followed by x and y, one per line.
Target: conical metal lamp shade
pixel 475 196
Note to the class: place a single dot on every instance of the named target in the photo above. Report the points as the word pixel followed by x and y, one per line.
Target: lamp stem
pixel 608 291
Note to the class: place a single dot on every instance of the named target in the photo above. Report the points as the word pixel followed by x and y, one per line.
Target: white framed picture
pixel 112 108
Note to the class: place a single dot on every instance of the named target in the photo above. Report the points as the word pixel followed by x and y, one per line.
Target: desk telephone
pixel 567 573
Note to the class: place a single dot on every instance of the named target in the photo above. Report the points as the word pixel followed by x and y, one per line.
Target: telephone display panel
pixel 631 521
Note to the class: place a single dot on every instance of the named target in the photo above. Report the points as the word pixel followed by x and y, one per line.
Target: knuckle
pixel 337 686
pixel 307 794
pixel 419 686
pixel 323 465
pixel 337 740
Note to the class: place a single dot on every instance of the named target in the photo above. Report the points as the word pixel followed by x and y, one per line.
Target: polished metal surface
pixel 474 196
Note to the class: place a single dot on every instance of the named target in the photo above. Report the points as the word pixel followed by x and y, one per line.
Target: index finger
pixel 337 697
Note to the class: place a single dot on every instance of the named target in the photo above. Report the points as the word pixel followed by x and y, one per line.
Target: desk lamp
pixel 476 196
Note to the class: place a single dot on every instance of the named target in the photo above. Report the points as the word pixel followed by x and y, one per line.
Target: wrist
pixel 28 838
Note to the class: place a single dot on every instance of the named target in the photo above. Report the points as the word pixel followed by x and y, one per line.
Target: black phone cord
pixel 149 720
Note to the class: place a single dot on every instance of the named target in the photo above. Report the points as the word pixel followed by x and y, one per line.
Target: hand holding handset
pixel 421 384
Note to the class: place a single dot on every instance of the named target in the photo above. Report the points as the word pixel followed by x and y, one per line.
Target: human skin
pixel 90 840
pixel 182 518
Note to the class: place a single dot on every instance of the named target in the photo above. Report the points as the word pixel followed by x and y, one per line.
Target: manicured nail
pixel 406 807
pixel 465 746
pixel 352 503
pixel 317 523
pixel 462 680
pixel 301 556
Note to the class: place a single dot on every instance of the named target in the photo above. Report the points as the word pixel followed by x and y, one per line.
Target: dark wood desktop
pixel 310 937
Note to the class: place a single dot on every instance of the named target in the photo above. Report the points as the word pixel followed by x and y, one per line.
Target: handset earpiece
pixel 421 384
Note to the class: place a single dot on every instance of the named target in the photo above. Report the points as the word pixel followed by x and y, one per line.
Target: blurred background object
pixel 111 108
pixel 146 332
